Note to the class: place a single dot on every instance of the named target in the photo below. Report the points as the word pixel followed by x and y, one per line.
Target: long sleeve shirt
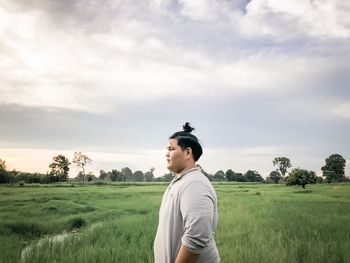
pixel 188 215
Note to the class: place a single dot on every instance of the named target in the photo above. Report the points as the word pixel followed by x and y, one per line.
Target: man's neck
pixel 189 167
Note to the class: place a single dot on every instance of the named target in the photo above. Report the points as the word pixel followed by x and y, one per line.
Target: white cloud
pixel 342 110
pixel 324 18
pixel 206 10
pixel 75 67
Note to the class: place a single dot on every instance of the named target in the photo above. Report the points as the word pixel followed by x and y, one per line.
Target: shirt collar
pixel 180 175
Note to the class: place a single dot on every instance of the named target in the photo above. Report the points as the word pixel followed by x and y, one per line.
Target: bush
pixel 77 222
pixel 26 229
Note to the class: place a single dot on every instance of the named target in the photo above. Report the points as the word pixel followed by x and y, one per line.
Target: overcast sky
pixel 114 79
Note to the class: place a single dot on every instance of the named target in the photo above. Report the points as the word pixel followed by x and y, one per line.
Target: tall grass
pixel 117 223
pixel 280 224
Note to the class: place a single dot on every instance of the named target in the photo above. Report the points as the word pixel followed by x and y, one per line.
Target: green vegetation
pixel 59 168
pixel 117 222
pixel 301 177
pixel 334 169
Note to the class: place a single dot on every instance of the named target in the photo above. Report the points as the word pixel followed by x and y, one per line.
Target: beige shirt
pixel 188 215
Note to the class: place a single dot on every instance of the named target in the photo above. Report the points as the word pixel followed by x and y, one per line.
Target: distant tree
pixel 334 169
pixel 253 176
pixel 138 176
pixel 168 177
pixel 126 174
pixel 149 175
pixel 103 175
pixel 90 177
pixel 81 160
pixel 12 177
pixel 301 177
pixel 218 176
pixel 80 176
pixel 274 176
pixel 229 175
pixel 4 176
pixel 283 163
pixel 330 176
pixel 2 165
pixel 233 176
pixel 115 176
pixel 60 167
pixel 319 179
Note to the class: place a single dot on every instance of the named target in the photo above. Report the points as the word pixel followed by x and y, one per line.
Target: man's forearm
pixel 185 256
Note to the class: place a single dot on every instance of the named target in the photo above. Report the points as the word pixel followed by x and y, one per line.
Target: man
pixel 188 212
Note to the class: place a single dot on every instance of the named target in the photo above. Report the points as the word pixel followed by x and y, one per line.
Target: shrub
pixel 76 222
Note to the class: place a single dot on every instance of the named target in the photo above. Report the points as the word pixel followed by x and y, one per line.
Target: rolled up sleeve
pixel 197 209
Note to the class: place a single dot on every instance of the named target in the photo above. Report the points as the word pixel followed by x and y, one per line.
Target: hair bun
pixel 187 127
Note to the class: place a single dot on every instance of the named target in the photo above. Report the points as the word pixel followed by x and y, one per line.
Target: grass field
pixel 117 223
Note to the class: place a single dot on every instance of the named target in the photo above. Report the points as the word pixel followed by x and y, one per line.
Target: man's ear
pixel 189 151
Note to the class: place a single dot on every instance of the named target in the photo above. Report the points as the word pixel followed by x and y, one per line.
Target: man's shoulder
pixel 195 175
pixel 196 179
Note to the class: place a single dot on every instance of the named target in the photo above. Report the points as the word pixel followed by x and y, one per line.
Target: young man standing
pixel 188 213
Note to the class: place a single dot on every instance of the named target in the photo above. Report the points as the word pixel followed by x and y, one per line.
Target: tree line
pixel 333 171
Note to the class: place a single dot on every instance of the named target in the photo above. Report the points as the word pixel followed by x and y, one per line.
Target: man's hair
pixel 185 139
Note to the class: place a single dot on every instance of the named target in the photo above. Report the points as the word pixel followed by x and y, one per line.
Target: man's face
pixel 176 157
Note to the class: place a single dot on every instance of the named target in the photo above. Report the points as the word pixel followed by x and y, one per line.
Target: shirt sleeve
pixel 197 209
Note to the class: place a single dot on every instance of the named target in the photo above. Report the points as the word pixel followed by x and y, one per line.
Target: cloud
pixel 297 17
pixel 200 9
pixel 98 58
pixel 342 110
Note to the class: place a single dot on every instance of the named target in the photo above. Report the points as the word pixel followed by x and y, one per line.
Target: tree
pixel 103 175
pixel 4 176
pixel 274 176
pixel 149 175
pixel 319 179
pixel 126 174
pixel 330 176
pixel 90 177
pixel 334 168
pixel 219 176
pixel 283 163
pixel 60 167
pixel 115 176
pixel 168 177
pixel 233 176
pixel 81 160
pixel 301 177
pixel 138 176
pixel 2 165
pixel 253 176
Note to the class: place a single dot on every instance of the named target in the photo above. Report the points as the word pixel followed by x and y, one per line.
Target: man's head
pixel 183 149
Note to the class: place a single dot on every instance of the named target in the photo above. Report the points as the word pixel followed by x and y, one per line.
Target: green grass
pixel 117 223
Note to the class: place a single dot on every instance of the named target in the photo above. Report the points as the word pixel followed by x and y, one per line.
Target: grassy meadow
pixel 117 223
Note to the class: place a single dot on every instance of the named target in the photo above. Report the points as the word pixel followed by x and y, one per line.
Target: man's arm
pixel 185 256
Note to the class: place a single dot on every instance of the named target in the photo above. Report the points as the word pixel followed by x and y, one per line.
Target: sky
pixel 257 79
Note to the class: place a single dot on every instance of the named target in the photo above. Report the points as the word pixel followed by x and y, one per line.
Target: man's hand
pixel 185 256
